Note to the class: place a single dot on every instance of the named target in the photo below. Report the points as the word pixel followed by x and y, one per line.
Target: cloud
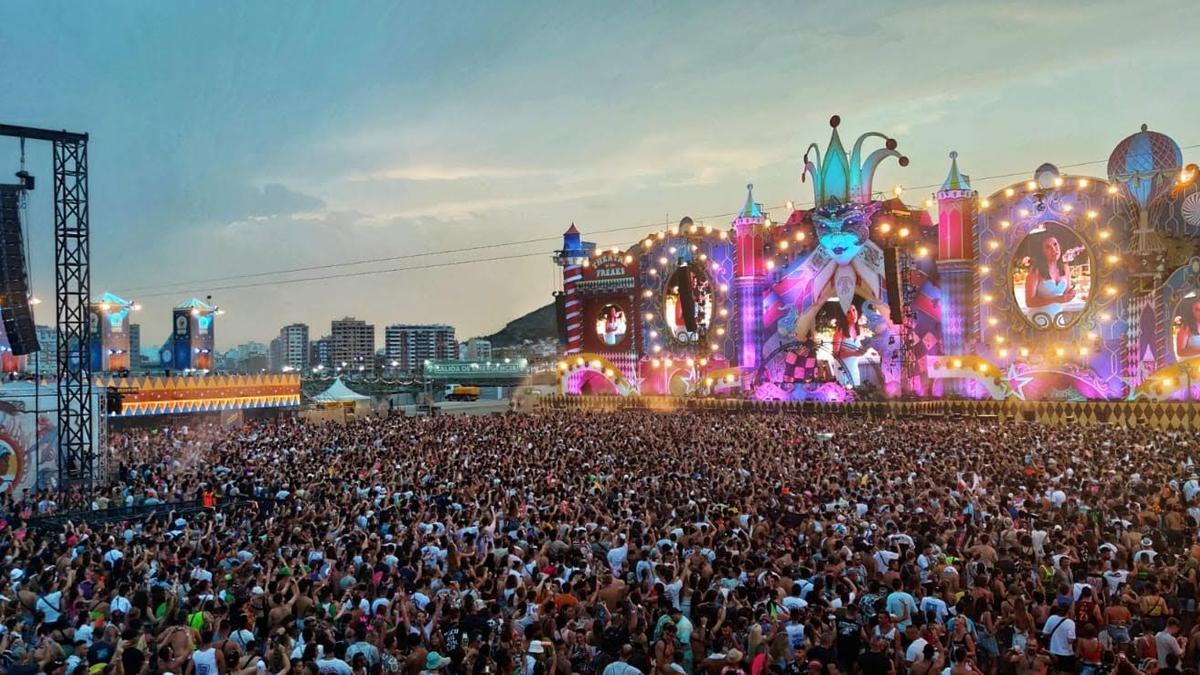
pixel 247 203
pixel 426 173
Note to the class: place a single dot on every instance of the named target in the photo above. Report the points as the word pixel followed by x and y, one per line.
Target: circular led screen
pixel 1052 276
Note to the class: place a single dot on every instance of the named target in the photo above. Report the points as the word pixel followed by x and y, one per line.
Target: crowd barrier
pixel 1163 415
pixel 55 521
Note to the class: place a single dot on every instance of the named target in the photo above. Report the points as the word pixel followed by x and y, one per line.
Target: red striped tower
pixel 571 258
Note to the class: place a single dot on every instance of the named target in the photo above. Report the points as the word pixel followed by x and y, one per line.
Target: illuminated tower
pixel 750 279
pixel 571 259
pixel 957 210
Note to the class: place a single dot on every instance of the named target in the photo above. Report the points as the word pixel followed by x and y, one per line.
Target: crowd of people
pixel 628 543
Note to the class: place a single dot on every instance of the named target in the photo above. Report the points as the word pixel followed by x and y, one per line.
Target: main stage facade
pixel 1059 286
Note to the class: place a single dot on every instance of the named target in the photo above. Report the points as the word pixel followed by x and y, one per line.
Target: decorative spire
pixel 843 178
pixel 751 210
pixel 572 230
pixel 956 180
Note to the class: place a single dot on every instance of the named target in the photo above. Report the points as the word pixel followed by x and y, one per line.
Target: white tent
pixel 338 392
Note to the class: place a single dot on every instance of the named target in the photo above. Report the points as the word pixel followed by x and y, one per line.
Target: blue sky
pixel 235 138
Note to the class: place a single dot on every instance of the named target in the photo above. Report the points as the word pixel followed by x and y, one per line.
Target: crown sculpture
pixel 846 259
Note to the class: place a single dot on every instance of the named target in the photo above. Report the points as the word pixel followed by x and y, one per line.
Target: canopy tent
pixel 338 392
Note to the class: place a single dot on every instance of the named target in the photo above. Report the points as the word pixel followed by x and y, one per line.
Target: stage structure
pixel 1056 287
pixel 76 403
pixel 110 349
pixel 190 347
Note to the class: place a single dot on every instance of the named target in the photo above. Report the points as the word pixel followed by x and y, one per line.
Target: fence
pixel 1163 415
pixel 56 521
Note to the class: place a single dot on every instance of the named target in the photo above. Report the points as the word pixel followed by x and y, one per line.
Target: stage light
pixel 657 348
pixel 1004 353
pixel 1084 351
pixel 1031 185
pixel 729 377
pixel 898 190
pixel 1113 258
pixel 1111 290
pixel 987 297
pixel 984 269
pixel 999 339
pixel 104 307
pixel 723 312
pixel 1004 224
pixel 984 203
pixel 712 348
pixel 1059 351
pixel 137 306
pixel 983 367
pixel 693 229
pixel 922 251
pixel 561 366
pixel 992 321
pixel 586 263
pixel 903 232
pixel 1024 351
pixel 1092 214
pixel 885 227
pixel 720 331
pixel 35 300
pixel 716 267
pixel 1058 181
pixel 929 203
pixel 1168 382
pixel 1083 182
pixel 672 250
pixel 673 230
pixel 196 312
pixel 993 244
pixel 647 293
pixel 656 363
pixel 649 243
pixel 724 234
pixel 767 222
pixel 703 257
pixel 579 361
pixel 1067 208
pixel 1186 176
pixel 668 363
pixel 724 288
pixel 708 229
pixel 608 372
pixel 957 363
pixel 653 272
pixel 662 260
pixel 615 250
pixel 691 362
pixel 1024 213
pixel 800 236
pixel 649 316
pixel 628 259
pixel 1106 316
pixel 704 361
pixel 1105 234
pixel 1008 192
pixel 1113 189
pixel 708 382
pixel 783 244
pixel 770 265
pixel 653 335
pixel 1091 335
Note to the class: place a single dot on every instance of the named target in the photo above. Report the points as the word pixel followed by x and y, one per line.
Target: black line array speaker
pixel 891 273
pixel 14 281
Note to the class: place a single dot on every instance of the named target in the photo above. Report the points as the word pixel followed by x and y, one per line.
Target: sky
pixel 237 139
